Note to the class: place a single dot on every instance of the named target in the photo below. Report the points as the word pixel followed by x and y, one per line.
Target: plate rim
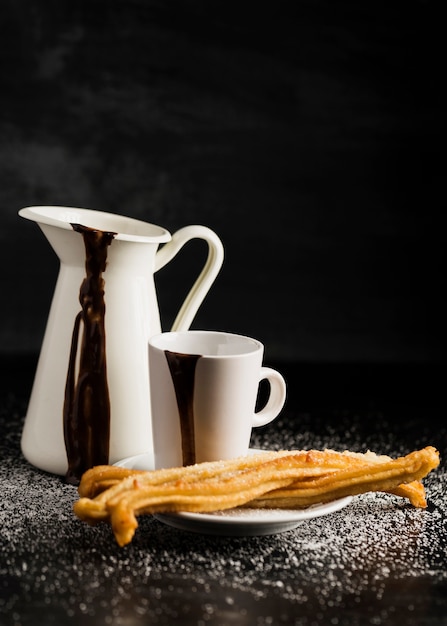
pixel 288 516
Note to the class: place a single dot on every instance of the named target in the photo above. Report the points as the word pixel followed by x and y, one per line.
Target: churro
pixel 283 479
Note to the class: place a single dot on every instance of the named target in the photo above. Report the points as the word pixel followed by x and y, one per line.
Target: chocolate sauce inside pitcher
pixel 183 368
pixel 87 403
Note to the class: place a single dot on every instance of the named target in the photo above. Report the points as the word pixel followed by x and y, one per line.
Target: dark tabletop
pixel 377 561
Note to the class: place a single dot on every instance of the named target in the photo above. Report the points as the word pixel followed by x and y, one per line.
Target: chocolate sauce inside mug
pixel 86 412
pixel 183 368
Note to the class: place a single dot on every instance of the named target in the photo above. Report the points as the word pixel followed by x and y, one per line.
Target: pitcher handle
pixel 206 277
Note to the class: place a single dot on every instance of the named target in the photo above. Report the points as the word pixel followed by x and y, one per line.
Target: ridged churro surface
pixel 283 479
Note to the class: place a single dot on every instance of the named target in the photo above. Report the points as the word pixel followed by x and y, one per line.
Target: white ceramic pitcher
pixel 119 286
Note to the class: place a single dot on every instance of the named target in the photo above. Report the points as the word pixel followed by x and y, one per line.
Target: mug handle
pixel 276 399
pixel 206 277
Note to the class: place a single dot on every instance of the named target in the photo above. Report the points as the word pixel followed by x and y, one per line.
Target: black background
pixel 311 141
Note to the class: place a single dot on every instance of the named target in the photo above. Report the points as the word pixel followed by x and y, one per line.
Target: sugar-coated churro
pixel 283 479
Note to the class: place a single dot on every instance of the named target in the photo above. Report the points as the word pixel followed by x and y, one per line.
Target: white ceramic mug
pixel 204 386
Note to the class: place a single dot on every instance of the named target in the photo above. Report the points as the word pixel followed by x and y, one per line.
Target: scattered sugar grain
pixel 79 570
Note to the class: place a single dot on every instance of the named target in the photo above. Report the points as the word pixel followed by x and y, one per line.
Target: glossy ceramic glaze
pixel 212 409
pixel 131 318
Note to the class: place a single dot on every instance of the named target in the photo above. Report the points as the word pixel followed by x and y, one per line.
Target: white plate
pixel 240 521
